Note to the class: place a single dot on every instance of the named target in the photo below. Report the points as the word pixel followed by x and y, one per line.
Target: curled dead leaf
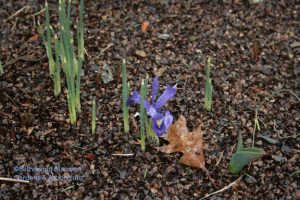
pixel 189 143
pixel 144 26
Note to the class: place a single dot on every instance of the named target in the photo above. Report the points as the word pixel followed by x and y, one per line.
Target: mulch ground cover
pixel 255 50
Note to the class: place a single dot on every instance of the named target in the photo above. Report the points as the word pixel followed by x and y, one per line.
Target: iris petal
pixel 151 111
pixel 168 119
pixel 155 87
pixel 167 94
pixel 161 123
pixel 134 98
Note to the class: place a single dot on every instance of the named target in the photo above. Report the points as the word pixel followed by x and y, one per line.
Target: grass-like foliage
pixel 1 69
pixel 65 54
pixel 208 87
pixel 143 114
pixel 93 117
pixel 54 67
pixel 125 95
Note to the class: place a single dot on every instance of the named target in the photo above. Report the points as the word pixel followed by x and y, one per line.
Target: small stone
pixel 278 158
pixel 140 53
pixel 285 149
pixel 163 36
pixel 295 45
pixel 250 180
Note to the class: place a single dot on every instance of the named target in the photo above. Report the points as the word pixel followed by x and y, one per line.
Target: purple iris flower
pixel 161 120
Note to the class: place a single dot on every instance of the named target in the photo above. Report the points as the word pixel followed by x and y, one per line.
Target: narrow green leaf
pixel 56 78
pixel 143 114
pixel 47 41
pixel 270 140
pixel 208 87
pixel 94 117
pixel 151 136
pixel 1 69
pixel 240 143
pixel 125 95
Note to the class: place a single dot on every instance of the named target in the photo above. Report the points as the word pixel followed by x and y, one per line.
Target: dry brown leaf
pixel 189 143
pixel 144 26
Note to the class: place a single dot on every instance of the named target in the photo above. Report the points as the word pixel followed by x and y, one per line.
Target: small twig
pixel 24 58
pixel 39 12
pixel 125 154
pixel 5 114
pixel 10 99
pixel 296 172
pixel 13 180
pixel 70 187
pixel 107 47
pixel 16 13
pixel 224 188
pixel 218 162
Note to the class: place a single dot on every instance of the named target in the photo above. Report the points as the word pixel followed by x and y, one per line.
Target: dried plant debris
pixel 189 143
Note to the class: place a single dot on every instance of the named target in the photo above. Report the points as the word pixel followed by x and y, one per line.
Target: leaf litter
pixel 189 143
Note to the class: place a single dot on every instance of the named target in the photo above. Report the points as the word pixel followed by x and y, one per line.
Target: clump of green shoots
pixel 1 69
pixel 66 55
pixel 94 117
pixel 54 67
pixel 143 114
pixel 208 87
pixel 125 95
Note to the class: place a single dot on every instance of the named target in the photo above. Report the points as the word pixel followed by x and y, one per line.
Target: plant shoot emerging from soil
pixel 143 114
pixel 65 52
pixel 125 95
pixel 54 67
pixel 208 87
pixel 161 120
pixel 93 116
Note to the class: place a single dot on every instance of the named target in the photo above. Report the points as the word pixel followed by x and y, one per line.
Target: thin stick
pixel 218 162
pixel 13 180
pixel 125 154
pixel 70 187
pixel 16 13
pixel 224 188
pixel 79 147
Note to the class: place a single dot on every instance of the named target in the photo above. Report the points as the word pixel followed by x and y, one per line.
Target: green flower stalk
pixel 208 87
pixel 143 115
pixel 125 95
pixel 94 117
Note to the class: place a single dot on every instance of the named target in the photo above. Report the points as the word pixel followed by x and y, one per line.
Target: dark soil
pixel 254 48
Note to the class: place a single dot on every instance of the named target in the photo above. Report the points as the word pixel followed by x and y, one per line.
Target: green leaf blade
pixel 242 158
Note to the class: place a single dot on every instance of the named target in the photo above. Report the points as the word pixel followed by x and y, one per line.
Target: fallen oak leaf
pixel 189 143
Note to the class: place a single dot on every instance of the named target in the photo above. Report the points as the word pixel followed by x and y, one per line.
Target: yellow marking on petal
pixel 158 123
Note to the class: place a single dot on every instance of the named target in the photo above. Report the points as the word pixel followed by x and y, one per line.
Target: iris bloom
pixel 161 120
